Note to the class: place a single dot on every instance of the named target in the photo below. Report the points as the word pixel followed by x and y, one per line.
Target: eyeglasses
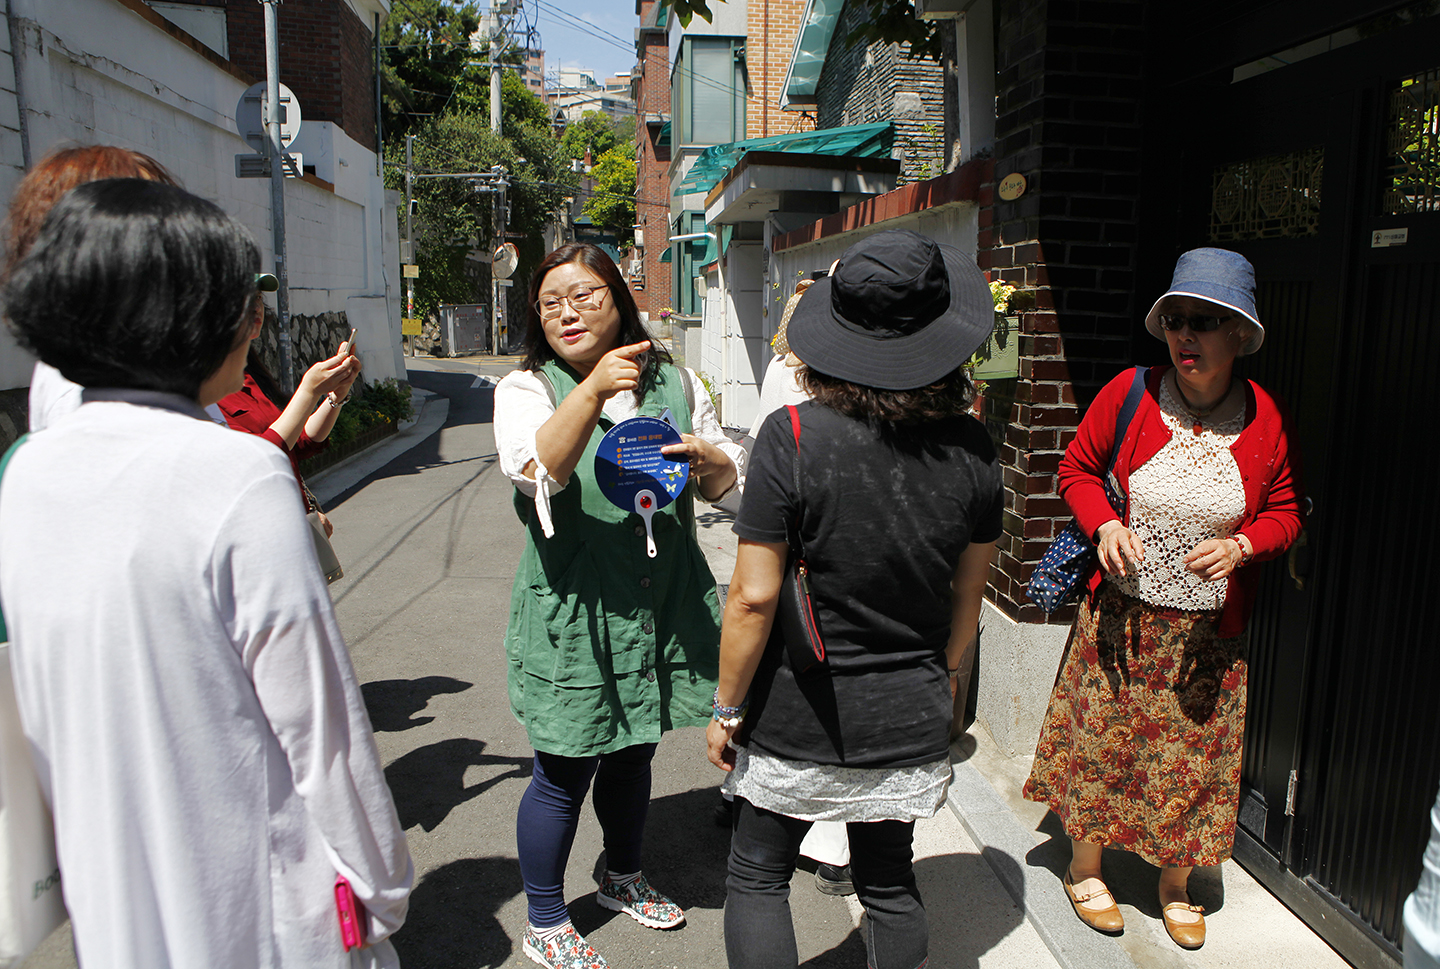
pixel 1200 324
pixel 550 307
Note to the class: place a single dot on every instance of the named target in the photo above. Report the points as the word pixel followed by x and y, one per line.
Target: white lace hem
pixel 825 792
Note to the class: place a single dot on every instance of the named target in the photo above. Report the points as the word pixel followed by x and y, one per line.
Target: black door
pixel 1296 168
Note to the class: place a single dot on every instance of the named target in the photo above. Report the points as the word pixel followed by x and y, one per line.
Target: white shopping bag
pixel 30 903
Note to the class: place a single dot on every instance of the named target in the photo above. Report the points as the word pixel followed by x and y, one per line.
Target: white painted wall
pixel 95 72
pixel 747 348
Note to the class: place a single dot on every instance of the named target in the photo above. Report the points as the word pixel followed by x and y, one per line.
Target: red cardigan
pixel 1268 467
pixel 249 410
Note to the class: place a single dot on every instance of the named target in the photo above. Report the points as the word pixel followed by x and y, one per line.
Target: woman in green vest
pixel 608 646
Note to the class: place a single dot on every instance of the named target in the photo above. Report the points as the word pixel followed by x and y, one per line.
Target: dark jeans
pixel 550 813
pixel 759 932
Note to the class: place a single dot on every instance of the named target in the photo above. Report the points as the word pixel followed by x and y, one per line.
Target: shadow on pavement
pixel 429 782
pixel 452 916
pixel 392 704
pixel 468 404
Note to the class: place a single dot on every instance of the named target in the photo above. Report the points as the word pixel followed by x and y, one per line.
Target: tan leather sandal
pixel 1102 919
pixel 1187 935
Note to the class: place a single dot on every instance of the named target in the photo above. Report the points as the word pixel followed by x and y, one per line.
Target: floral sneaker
pixel 641 902
pixel 568 950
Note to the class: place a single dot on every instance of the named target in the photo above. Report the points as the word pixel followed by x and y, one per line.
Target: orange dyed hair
pixel 58 173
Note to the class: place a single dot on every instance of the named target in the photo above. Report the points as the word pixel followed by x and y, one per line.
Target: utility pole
pixel 500 218
pixel 274 112
pixel 409 234
pixel 496 49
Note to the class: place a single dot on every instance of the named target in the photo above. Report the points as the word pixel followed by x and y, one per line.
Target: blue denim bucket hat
pixel 1217 275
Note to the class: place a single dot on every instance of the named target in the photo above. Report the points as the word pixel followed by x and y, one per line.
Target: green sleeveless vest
pixel 608 647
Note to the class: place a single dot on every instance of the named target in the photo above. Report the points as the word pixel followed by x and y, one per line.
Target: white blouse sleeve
pixel 283 624
pixel 522 404
pixel 705 424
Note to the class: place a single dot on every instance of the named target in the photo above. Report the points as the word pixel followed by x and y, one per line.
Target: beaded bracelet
pixel 728 716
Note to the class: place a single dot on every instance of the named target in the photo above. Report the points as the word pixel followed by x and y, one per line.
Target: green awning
pixel 856 141
pixel 665 256
pixel 811 46
pixel 709 254
pixel 662 140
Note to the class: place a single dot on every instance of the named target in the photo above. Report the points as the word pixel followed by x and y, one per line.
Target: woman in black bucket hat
pixel 894 493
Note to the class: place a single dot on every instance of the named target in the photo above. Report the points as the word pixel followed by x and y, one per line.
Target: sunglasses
pixel 1200 324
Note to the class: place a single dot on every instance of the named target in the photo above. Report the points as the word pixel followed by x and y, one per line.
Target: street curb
pixel 1005 843
pixel 431 410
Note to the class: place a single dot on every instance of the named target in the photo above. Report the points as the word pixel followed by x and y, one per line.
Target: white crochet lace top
pixel 1188 492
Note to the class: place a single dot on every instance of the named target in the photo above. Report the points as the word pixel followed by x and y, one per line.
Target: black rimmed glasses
pixel 550 307
pixel 1200 324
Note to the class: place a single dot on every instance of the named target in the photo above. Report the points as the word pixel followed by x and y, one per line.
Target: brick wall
pixel 327 58
pixel 1068 84
pixel 771 27
pixel 652 184
pixel 865 84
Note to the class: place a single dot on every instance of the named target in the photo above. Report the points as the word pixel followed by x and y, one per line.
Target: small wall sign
pixel 1012 186
pixel 1385 238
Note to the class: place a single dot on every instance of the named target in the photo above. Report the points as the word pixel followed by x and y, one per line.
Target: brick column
pixel 1068 89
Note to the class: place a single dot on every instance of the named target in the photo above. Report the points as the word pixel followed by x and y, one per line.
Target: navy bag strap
pixel 1127 414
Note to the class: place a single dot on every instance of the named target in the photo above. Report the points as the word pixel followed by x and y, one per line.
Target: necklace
pixel 1196 412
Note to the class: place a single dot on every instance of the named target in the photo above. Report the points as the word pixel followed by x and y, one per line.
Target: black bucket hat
pixel 900 311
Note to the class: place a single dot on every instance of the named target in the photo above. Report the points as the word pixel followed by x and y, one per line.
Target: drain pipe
pixel 15 59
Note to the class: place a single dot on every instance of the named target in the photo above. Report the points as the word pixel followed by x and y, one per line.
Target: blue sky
pixel 576 45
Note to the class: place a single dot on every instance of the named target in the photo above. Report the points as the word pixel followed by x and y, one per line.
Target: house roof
pixel 856 141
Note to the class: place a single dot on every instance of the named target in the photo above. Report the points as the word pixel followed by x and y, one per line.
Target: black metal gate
pixel 1298 169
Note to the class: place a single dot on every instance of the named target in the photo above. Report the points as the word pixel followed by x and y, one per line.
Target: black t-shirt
pixel 884 519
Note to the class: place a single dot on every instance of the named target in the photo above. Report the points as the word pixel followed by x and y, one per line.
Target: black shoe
pixel 724 813
pixel 834 881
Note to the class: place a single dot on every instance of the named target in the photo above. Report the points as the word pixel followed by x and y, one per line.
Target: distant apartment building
pixel 532 70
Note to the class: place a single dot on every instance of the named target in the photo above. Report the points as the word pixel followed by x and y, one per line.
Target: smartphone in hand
pixel 350 344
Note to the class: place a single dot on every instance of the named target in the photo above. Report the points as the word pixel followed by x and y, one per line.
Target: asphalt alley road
pixel 430 543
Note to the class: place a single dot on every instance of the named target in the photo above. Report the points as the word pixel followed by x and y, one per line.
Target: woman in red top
pixel 301 429
pixel 1141 745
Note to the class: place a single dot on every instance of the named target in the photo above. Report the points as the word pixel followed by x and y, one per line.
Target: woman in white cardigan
pixel 195 719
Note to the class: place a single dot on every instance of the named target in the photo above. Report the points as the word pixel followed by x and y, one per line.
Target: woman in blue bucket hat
pixel 1141 744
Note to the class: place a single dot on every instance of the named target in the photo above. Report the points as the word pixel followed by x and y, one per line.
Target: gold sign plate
pixel 1012 186
pixel 409 326
pixel 410 271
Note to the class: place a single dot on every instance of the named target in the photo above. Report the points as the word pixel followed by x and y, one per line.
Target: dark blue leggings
pixel 550 813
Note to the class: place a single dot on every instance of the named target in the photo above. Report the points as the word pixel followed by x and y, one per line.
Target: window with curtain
pixel 708 93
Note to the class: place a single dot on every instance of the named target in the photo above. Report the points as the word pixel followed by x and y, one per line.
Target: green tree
pixel 427 60
pixel 595 132
pixel 454 228
pixel 613 203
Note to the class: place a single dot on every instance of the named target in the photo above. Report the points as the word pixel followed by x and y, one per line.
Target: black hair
pixel 134 283
pixel 950 396
pixel 538 350
pixel 265 380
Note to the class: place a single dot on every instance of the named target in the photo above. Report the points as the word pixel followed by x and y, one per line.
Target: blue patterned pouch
pixel 1065 567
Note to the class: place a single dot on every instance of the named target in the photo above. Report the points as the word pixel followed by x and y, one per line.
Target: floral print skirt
pixel 1141 744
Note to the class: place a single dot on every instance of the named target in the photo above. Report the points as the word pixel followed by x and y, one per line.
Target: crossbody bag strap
pixel 1127 413
pixel 794 418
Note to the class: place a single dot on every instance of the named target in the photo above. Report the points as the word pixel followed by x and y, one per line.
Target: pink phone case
pixel 351 914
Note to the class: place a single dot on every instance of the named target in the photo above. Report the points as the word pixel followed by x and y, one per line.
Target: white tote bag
pixel 30 903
